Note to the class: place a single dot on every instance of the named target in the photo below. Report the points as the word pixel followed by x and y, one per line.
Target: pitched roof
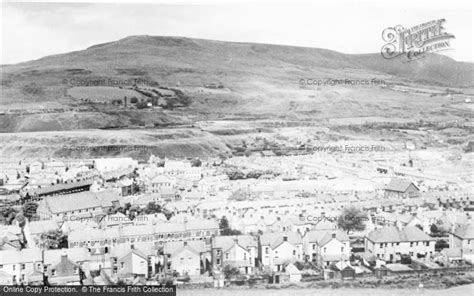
pixel 393 234
pixel 173 248
pixel 226 242
pixel 52 257
pixel 79 201
pixel 274 239
pixel 465 231
pixel 60 187
pixel 72 202
pixel 38 227
pixel 23 256
pixel 198 224
pixel 399 185
pixel 322 237
pixel 122 250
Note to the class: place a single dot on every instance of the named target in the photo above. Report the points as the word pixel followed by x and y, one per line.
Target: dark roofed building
pixel 401 188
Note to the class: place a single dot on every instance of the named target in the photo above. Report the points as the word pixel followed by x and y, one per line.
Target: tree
pixel 225 229
pixel 8 214
pixel 152 208
pixel 54 239
pixel 196 162
pixel 352 218
pixel 230 271
pixel 29 209
pixel 434 229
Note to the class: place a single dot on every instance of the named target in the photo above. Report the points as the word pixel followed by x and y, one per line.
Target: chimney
pixel 236 240
pixel 64 257
pixel 132 246
pixel 333 235
pixel 285 238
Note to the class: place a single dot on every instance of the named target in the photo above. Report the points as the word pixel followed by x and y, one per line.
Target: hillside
pixel 193 79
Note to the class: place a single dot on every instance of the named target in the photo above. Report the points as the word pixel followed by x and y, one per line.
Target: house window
pixel 342 249
pixel 38 265
pixel 218 252
pixel 226 256
pixel 218 261
pixel 381 245
pixel 314 246
pixel 411 245
pixel 122 265
pixel 427 244
pixel 115 270
pixel 53 272
pixel 76 270
pixel 23 267
pixel 13 267
pixel 266 250
pixel 115 260
pixel 324 250
pixel 245 256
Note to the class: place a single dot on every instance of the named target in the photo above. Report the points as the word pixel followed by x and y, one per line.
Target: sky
pixel 31 30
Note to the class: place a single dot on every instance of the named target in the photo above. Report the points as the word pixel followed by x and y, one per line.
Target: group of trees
pixel 133 211
pixel 54 239
pixel 28 210
pixel 352 219
pixel 236 174
pixel 225 228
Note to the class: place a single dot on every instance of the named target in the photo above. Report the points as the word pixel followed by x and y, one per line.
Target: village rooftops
pixel 141 230
pixel 394 234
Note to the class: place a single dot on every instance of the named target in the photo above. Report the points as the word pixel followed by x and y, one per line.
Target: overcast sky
pixel 34 30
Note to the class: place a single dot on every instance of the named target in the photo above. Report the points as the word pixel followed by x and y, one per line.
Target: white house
pixel 25 266
pixel 278 248
pixel 389 243
pixel 239 251
pixel 186 257
pixel 463 239
pixel 327 246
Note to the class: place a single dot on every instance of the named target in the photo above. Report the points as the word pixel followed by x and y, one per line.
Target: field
pixel 101 93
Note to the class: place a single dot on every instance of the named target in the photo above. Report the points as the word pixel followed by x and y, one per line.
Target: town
pixel 326 216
